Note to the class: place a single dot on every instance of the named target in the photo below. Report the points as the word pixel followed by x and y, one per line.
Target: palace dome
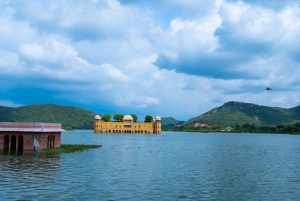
pixel 157 118
pixel 97 117
pixel 127 117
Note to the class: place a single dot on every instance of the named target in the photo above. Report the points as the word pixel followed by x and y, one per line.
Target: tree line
pixel 119 117
pixel 281 128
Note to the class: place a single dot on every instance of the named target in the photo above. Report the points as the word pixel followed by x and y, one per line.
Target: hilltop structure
pixel 127 125
pixel 23 135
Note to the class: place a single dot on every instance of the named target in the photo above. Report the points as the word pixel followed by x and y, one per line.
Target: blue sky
pixel 170 58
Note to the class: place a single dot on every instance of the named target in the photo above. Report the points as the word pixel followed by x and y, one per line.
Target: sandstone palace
pixel 127 125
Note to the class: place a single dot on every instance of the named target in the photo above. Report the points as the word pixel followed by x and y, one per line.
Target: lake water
pixel 169 166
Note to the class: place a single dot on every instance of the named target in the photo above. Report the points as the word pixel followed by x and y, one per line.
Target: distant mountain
pixel 229 114
pixel 68 116
pixel 170 122
pixel 236 113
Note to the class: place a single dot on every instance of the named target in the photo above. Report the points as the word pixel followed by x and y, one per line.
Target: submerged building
pixel 127 125
pixel 23 135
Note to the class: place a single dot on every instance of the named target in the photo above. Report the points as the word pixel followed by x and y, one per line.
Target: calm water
pixel 170 166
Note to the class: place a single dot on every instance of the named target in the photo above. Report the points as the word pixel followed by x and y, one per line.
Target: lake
pixel 169 166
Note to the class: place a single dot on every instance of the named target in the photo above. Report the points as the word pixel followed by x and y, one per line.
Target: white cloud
pixel 262 24
pixel 281 99
pixel 135 101
pixel 149 100
pixel 60 61
pixel 102 53
pixel 51 52
pixel 194 35
pixel 140 106
pixel 8 60
pixel 83 20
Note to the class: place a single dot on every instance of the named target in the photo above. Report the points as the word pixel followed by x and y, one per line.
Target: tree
pixel 118 117
pixel 216 127
pixel 297 125
pixel 290 128
pixel 246 126
pixel 148 118
pixel 252 127
pixel 280 127
pixel 134 117
pixel 263 128
pixel 106 117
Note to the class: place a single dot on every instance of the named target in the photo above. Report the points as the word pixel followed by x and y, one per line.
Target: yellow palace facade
pixel 127 125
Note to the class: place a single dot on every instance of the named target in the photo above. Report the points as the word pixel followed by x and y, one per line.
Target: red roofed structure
pixel 24 135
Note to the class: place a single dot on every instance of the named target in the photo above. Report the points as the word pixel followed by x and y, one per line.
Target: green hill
pixel 236 113
pixel 170 122
pixel 229 114
pixel 68 116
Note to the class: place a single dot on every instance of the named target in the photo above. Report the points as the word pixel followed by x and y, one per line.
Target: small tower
pixel 127 118
pixel 157 125
pixel 97 121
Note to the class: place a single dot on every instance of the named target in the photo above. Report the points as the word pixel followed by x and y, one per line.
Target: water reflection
pixel 24 174
pixel 12 152
pixel 170 166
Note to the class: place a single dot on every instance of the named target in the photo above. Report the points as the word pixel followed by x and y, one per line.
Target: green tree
pixel 290 128
pixel 263 128
pixel 106 117
pixel 118 117
pixel 246 126
pixel 297 125
pixel 134 117
pixel 148 118
pixel 216 127
pixel 252 127
pixel 280 127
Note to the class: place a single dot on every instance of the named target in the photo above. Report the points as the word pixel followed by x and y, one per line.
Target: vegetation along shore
pixel 68 148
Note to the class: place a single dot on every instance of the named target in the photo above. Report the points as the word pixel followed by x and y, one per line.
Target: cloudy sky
pixel 172 58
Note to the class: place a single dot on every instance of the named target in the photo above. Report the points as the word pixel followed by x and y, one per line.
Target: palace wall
pixel 127 127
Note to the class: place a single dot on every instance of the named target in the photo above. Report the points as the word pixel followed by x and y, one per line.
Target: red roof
pixel 30 127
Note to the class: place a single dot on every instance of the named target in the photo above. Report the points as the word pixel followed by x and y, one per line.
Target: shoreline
pixel 238 132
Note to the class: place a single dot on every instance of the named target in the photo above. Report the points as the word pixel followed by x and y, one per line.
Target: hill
pixel 170 122
pixel 68 116
pixel 236 113
pixel 230 114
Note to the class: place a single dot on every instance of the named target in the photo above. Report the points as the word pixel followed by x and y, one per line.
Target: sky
pixel 167 58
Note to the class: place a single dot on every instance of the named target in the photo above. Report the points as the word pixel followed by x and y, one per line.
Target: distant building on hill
pixel 127 126
pixel 200 125
pixel 24 135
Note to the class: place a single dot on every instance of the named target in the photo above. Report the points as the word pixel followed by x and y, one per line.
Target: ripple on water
pixel 170 166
